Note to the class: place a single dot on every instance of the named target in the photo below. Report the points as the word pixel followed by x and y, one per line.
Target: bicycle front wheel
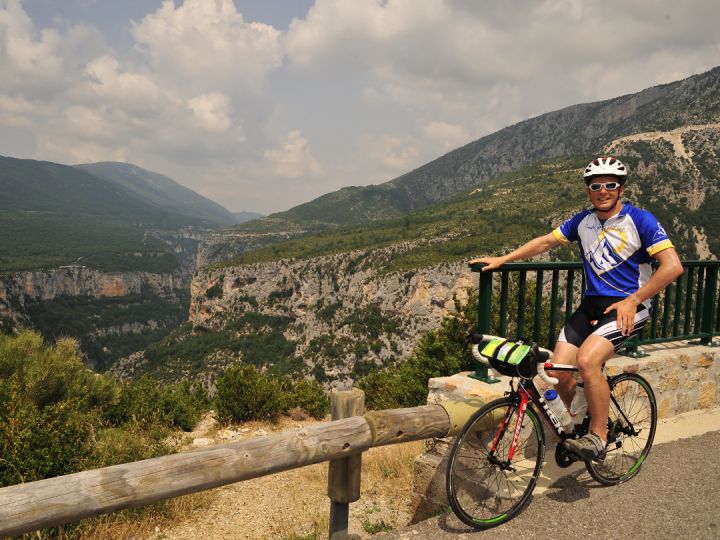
pixel 631 429
pixel 486 484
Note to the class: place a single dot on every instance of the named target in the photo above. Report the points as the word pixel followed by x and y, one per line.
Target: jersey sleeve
pixel 652 234
pixel 568 231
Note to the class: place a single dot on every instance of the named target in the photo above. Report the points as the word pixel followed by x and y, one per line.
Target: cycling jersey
pixel 616 252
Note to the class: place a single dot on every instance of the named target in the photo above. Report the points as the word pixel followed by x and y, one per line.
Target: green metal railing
pixel 533 301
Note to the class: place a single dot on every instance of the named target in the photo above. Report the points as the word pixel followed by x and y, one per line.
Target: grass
pixel 147 521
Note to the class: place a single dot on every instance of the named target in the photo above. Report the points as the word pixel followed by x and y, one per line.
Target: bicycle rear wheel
pixel 484 487
pixel 631 429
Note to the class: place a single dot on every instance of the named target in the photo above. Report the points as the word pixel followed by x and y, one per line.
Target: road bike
pixel 497 457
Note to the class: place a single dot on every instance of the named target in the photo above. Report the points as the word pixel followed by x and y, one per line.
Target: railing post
pixel 483 322
pixel 344 473
pixel 708 316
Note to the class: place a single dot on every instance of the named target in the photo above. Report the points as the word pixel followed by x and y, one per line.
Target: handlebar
pixel 541 355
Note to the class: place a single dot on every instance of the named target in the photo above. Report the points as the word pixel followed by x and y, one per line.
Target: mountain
pixel 53 215
pixel 579 129
pixel 339 304
pixel 242 217
pixel 89 257
pixel 161 191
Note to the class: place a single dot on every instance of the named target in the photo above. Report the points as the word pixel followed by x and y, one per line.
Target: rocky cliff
pixel 342 313
pixel 21 289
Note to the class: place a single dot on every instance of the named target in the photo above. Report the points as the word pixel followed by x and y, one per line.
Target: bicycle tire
pixel 628 446
pixel 482 494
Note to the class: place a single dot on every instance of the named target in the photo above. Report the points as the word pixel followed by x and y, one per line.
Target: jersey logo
pixel 660 234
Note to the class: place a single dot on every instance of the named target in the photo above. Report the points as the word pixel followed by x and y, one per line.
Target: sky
pixel 261 105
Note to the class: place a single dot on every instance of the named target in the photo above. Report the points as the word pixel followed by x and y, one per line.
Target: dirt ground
pixel 294 504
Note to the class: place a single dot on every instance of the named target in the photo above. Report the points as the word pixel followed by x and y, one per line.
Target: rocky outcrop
pixel 344 304
pixel 229 243
pixel 21 288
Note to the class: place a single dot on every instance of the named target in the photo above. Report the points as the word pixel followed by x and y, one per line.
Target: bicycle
pixel 497 457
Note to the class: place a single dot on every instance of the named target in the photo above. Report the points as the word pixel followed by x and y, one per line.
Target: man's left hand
pixel 626 310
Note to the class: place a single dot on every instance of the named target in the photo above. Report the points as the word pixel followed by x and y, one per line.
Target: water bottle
pixel 578 407
pixel 558 408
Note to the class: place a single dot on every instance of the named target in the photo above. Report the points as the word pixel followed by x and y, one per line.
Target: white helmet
pixel 606 166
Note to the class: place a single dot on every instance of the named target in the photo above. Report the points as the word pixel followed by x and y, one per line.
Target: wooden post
pixel 344 473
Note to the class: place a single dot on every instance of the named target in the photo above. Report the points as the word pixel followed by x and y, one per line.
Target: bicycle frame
pixel 526 393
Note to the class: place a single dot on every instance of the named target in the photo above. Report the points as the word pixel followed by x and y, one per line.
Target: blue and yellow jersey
pixel 616 252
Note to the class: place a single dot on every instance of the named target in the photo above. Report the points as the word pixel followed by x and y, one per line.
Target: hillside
pixel 340 303
pixel 579 129
pixel 87 257
pixel 162 191
pixel 54 215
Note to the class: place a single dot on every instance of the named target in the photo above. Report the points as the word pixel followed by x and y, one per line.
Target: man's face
pixel 604 199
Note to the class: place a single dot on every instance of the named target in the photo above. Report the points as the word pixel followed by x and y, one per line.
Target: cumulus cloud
pixel 212 112
pixel 418 53
pixel 447 135
pixel 229 106
pixel 294 158
pixel 207 44
pixel 393 153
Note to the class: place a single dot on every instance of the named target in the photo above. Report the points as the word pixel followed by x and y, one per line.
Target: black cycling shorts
pixel 589 319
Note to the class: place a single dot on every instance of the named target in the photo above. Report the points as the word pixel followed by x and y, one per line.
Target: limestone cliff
pixel 344 310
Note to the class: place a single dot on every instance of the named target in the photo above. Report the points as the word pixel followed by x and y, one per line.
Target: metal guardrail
pixel 533 301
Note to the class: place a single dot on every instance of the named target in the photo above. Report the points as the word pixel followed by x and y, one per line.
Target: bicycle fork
pixel 505 465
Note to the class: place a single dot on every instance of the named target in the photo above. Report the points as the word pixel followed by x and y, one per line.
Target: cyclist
pixel 618 243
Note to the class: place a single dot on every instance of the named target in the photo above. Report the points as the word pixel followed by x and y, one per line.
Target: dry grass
pixel 384 503
pixel 288 505
pixel 144 522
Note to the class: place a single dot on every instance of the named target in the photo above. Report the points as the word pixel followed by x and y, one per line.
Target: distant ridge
pixel 54 215
pixel 575 130
pixel 242 217
pixel 161 190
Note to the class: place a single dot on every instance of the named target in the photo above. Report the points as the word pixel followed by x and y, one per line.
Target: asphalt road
pixel 676 495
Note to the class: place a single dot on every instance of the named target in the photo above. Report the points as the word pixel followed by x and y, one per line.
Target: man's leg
pixel 593 354
pixel 565 353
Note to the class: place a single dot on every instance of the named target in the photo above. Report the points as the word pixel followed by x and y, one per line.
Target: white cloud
pixel 447 135
pixel 395 154
pixel 212 112
pixel 227 105
pixel 206 44
pixel 294 158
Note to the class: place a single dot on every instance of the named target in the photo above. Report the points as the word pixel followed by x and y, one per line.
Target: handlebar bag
pixel 510 358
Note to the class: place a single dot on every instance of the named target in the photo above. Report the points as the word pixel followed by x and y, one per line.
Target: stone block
pixel 705 360
pixel 632 368
pixel 665 408
pixel 670 380
pixel 684 403
pixel 428 486
pixel 707 396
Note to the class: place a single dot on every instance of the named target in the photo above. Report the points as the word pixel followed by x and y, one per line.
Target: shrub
pixel 48 408
pixel 244 393
pixel 147 403
pixel 310 397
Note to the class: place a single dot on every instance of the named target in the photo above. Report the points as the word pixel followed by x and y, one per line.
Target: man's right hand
pixel 490 262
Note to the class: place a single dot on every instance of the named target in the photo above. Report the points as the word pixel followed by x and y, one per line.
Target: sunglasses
pixel 609 186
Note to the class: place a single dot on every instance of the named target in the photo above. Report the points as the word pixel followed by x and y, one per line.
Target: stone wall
pixel 684 378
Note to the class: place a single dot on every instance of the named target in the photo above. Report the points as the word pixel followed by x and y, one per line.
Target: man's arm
pixel 536 246
pixel 669 270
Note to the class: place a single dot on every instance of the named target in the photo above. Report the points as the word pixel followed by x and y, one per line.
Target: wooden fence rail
pixel 54 501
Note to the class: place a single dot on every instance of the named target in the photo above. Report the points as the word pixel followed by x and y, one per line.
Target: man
pixel 618 242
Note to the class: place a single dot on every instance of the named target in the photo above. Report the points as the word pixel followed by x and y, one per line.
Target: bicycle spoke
pixel 485 488
pixel 632 420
